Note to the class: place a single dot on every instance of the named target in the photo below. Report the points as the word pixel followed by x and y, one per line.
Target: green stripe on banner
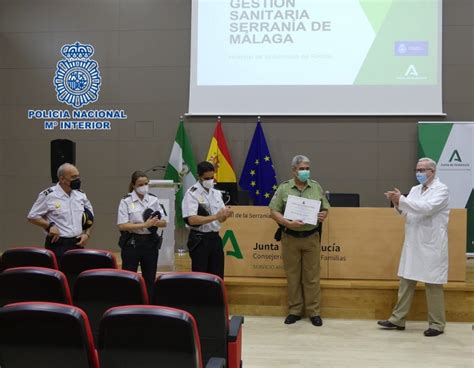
pixel 432 139
pixel 470 223
pixel 376 11
pixel 385 16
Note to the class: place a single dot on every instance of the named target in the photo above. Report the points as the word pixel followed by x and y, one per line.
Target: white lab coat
pixel 425 250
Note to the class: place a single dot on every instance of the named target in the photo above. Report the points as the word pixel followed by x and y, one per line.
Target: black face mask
pixel 75 184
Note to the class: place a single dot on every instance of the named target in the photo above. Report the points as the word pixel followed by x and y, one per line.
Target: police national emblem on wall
pixel 77 78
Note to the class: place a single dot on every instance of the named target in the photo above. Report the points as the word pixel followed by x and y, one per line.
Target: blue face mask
pixel 421 177
pixel 303 175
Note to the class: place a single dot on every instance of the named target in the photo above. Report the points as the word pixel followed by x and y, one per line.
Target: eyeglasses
pixel 422 170
pixel 303 168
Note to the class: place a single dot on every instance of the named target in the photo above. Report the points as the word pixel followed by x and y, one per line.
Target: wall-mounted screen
pixel 316 57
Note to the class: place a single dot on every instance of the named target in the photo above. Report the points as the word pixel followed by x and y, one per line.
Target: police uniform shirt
pixel 312 190
pixel 65 210
pixel 211 201
pixel 131 210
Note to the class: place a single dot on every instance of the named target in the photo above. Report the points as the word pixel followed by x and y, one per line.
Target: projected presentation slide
pixel 367 50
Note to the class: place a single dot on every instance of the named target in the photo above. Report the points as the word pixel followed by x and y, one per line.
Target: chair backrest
pixel 96 291
pixel 29 256
pixel 33 284
pixel 148 336
pixel 76 261
pixel 344 199
pixel 44 335
pixel 203 296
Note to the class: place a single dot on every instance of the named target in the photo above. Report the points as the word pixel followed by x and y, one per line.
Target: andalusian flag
pixel 219 155
pixel 181 168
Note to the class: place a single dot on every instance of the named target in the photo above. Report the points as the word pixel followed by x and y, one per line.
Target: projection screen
pixel 315 57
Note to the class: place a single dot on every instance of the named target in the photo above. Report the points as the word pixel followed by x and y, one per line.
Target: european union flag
pixel 258 175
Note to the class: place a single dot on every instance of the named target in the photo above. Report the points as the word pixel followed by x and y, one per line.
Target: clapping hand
pixel 393 196
pixel 152 221
pixel 224 214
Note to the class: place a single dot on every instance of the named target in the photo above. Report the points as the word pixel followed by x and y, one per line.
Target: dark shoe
pixel 316 321
pixel 432 332
pixel 390 325
pixel 291 318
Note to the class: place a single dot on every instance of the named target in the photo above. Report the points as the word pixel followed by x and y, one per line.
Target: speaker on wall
pixel 62 151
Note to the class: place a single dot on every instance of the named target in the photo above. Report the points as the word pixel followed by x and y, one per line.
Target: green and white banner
pixel 451 146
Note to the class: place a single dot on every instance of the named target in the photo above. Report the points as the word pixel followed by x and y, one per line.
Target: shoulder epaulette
pixel 47 191
pixel 193 189
pixel 126 196
pixel 151 194
pixel 80 190
pixel 284 182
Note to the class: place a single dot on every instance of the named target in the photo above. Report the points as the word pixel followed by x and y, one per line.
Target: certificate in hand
pixel 303 209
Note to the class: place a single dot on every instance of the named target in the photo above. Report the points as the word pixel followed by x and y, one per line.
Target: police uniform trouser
pixel 434 302
pixel 206 252
pixel 61 246
pixel 301 260
pixel 141 250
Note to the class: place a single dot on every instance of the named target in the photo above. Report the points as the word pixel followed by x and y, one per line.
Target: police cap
pixel 87 219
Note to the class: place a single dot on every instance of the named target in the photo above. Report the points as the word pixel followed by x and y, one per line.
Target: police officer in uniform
pixel 139 216
pixel 301 247
pixel 61 210
pixel 204 211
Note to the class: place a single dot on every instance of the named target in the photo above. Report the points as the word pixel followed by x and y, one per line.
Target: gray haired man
pixel 301 247
pixel 425 249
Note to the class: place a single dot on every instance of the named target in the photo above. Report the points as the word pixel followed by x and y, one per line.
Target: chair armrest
pixel 216 363
pixel 235 326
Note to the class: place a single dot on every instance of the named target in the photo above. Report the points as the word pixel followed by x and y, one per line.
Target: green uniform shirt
pixel 312 190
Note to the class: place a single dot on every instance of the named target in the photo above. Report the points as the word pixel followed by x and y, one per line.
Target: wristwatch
pixel 50 225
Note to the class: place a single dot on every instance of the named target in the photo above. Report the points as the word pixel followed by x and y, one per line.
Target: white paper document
pixel 303 209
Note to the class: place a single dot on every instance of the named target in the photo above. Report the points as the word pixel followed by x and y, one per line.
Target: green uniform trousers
pixel 434 301
pixel 301 260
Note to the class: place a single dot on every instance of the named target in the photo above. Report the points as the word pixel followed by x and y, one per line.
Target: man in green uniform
pixel 301 247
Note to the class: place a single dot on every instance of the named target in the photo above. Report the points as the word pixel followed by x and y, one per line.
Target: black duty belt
pixel 62 240
pixel 300 234
pixel 142 236
pixel 65 237
pixel 210 234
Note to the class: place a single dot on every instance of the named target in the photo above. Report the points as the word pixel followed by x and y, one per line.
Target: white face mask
pixel 142 190
pixel 208 184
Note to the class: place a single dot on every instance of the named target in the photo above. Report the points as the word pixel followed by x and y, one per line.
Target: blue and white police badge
pixel 77 79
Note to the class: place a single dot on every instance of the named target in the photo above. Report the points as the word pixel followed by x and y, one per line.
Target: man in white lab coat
pixel 425 250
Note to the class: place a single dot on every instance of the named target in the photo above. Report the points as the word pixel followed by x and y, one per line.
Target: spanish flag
pixel 219 155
